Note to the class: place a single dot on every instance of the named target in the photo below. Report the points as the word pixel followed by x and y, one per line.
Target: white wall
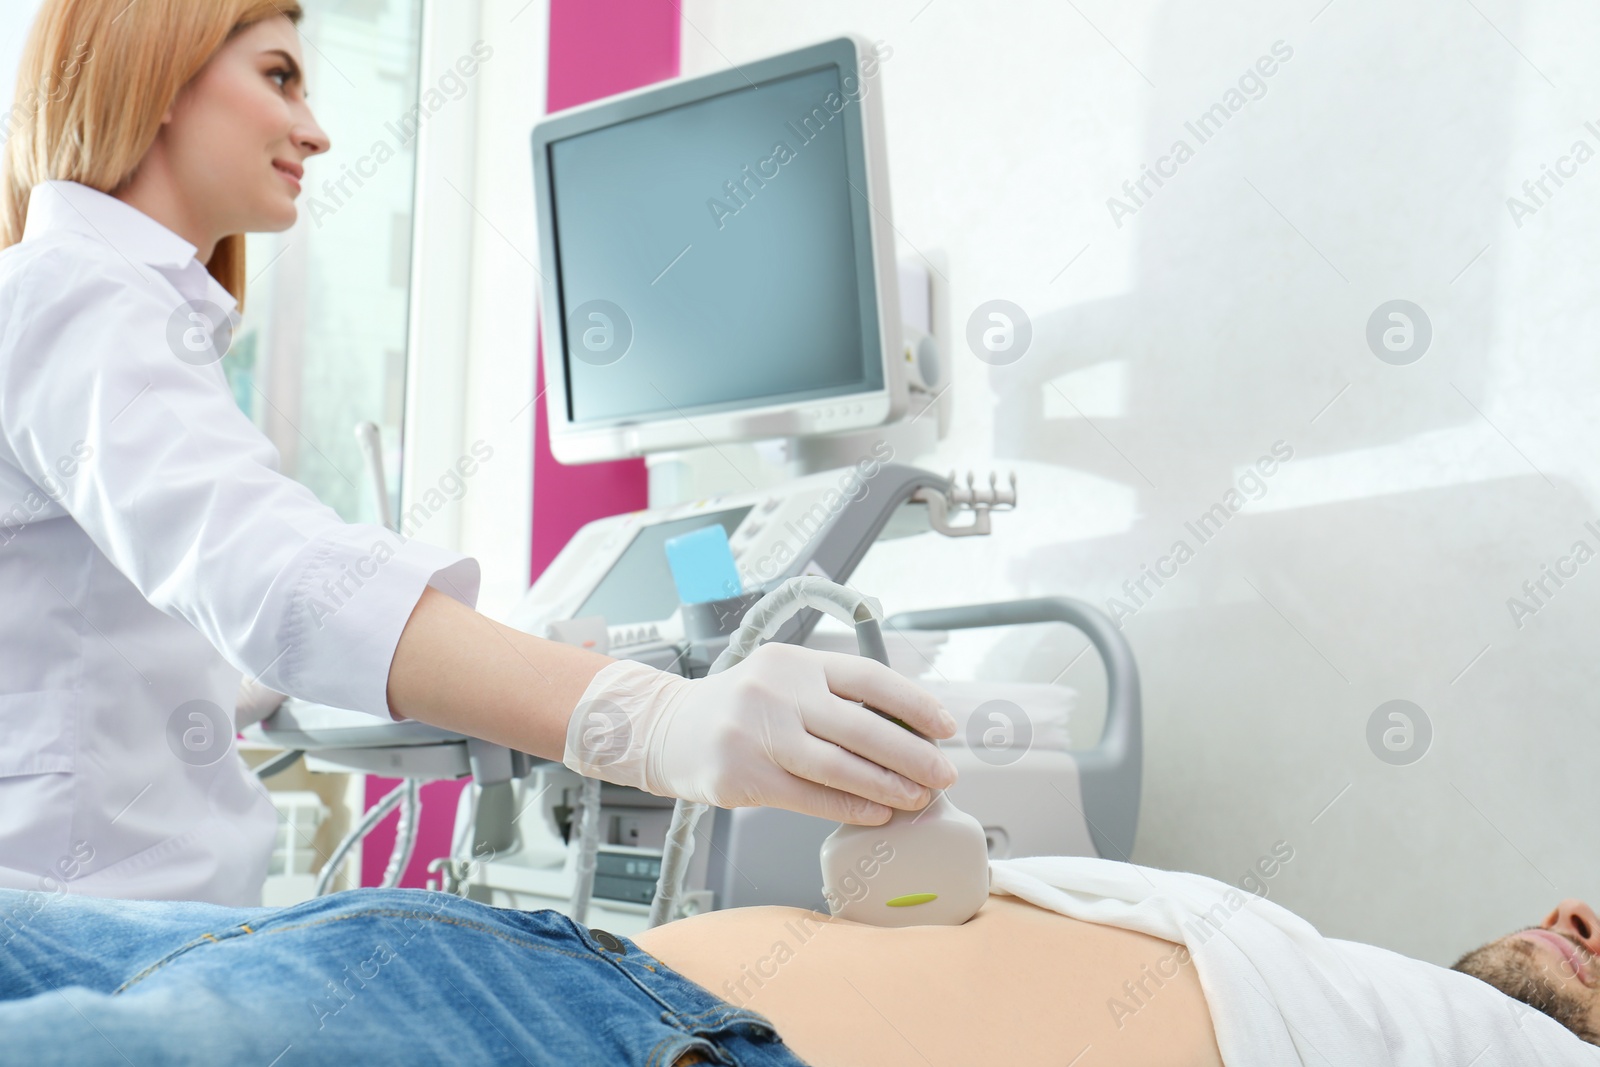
pixel 1225 315
pixel 497 522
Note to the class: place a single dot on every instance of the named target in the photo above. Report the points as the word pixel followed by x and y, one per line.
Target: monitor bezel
pixel 573 443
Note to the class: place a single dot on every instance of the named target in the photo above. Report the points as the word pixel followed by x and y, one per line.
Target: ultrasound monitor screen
pixel 709 255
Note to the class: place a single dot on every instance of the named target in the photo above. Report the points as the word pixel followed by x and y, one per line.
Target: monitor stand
pixel 688 474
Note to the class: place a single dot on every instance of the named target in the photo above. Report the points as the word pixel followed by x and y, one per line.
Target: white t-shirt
pixel 1279 992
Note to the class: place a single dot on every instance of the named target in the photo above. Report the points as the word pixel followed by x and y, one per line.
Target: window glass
pixel 322 345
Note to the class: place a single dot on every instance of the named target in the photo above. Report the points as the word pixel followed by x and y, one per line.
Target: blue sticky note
pixel 702 565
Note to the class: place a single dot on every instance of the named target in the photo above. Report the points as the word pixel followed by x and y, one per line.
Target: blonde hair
pixel 95 80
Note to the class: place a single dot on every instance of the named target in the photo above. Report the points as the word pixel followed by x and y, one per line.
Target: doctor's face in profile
pixel 236 138
pixel 1554 967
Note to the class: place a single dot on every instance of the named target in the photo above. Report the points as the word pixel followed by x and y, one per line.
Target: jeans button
pixel 609 942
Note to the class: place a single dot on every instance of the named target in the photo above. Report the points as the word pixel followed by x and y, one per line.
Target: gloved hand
pixel 778 729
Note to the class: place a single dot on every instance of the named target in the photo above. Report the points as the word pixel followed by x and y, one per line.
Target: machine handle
pixel 1110 773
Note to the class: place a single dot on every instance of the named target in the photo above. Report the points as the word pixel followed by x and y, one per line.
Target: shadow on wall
pixel 1310 174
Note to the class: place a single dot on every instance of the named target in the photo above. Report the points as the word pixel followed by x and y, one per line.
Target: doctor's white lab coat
pixel 150 554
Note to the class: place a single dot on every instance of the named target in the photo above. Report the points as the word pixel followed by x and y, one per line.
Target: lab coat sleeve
pixel 181 492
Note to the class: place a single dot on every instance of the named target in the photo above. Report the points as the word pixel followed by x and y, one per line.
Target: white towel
pixel 1281 993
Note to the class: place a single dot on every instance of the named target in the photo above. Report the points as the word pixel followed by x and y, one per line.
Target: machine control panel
pixel 616 567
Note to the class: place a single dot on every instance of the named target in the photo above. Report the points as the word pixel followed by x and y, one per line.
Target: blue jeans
pixel 393 976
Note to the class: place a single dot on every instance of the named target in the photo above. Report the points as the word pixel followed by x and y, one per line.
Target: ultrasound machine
pixel 721 295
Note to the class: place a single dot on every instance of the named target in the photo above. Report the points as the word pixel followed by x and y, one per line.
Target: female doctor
pixel 151 554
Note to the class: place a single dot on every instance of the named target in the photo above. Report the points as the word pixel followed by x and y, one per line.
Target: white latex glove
pixel 779 729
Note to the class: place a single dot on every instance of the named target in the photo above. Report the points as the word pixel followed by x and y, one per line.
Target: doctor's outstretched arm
pixel 182 493
pixel 780 729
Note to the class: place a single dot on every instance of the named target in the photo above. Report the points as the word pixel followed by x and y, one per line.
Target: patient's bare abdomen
pixel 1018 984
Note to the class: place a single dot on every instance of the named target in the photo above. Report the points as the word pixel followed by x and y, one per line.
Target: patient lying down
pixel 1121 964
pixel 1071 961
pixel 1116 963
